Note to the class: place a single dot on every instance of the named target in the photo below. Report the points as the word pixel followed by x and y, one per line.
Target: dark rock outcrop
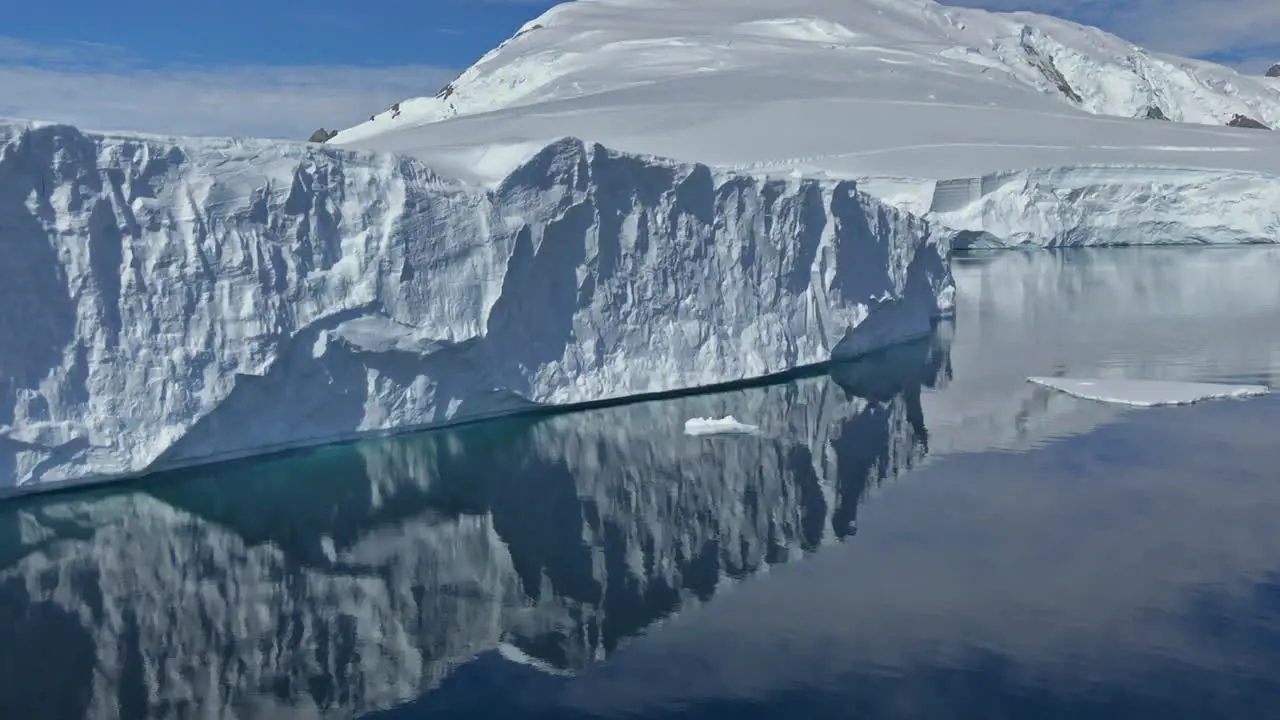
pixel 1155 113
pixel 1244 121
pixel 1047 68
pixel 322 135
pixel 1274 71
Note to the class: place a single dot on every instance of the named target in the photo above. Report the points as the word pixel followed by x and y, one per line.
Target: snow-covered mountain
pixel 1033 122
pixel 169 301
pixel 395 561
pixel 597 47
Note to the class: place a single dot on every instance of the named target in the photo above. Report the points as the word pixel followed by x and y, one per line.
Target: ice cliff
pixel 1115 205
pixel 168 301
pixel 401 559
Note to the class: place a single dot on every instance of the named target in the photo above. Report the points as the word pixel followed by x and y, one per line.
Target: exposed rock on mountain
pixel 322 135
pixel 1244 121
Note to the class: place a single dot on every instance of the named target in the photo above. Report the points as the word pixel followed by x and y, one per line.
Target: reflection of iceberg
pixel 352 578
pixel 1184 315
pixel 1146 393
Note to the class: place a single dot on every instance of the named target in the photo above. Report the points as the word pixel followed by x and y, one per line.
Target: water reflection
pixel 1195 314
pixel 1126 568
pixel 349 579
pixel 1125 573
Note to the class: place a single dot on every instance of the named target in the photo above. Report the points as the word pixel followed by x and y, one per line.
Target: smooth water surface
pixel 919 535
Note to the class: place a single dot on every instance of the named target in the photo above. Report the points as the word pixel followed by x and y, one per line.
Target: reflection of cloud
pixel 105 88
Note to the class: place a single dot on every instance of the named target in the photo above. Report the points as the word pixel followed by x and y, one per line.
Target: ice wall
pixel 1119 205
pixel 171 301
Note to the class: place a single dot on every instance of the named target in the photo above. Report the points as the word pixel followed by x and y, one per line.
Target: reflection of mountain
pixel 351 578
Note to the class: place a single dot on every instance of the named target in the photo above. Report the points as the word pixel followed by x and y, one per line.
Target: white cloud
pixel 102 88
pixel 1249 28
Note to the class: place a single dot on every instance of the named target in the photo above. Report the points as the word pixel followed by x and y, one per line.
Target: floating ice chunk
pixel 511 653
pixel 1147 393
pixel 727 425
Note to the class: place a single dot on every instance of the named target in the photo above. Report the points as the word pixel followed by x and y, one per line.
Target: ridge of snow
pixel 167 302
pixel 882 91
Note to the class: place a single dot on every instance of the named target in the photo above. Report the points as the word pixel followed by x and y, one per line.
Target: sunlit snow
pixel 1147 393
pixel 1006 128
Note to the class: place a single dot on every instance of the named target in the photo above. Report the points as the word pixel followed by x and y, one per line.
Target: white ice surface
pixel 1146 393
pixel 718 426
pixel 169 301
pixel 928 105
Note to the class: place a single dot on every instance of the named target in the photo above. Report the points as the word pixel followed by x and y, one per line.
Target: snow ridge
pixel 176 301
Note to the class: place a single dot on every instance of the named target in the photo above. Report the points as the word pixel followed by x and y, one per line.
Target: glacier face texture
pixel 401 559
pixel 1120 205
pixel 168 302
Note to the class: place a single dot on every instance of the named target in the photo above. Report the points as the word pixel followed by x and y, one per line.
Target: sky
pixel 286 67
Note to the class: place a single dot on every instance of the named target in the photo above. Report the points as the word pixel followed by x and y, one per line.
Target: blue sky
pixel 281 68
pixel 368 33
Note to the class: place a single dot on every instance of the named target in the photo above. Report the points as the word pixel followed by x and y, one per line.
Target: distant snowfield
pixel 1035 126
pixel 1147 393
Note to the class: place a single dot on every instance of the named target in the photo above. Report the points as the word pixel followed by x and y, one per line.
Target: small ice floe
pixel 727 425
pixel 1147 393
pixel 511 653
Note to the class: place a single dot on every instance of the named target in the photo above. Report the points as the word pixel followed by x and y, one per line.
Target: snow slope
pixel 900 93
pixel 571 535
pixel 168 301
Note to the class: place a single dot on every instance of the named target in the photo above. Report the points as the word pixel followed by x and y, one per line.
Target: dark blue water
pixel 918 535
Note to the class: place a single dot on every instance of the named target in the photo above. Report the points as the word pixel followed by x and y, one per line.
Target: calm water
pixel 921 535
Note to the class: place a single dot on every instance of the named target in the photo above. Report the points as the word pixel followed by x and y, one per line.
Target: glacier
pixel 167 302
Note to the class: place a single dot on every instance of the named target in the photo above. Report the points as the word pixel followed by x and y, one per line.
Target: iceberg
pixel 166 302
pixel 1147 393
